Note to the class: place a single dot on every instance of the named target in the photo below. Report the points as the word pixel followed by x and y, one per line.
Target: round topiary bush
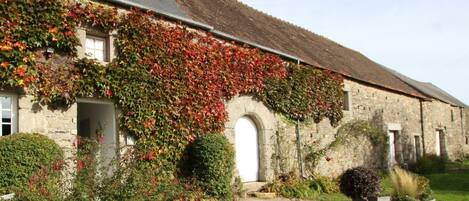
pixel 212 163
pixel 360 184
pixel 22 155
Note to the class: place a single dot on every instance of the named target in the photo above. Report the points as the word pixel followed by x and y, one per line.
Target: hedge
pixel 212 164
pixel 22 155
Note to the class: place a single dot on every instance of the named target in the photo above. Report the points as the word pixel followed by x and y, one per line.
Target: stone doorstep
pixel 7 196
pixel 251 187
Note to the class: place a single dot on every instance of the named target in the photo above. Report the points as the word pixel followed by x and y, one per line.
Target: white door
pixel 437 144
pixel 392 149
pixel 247 152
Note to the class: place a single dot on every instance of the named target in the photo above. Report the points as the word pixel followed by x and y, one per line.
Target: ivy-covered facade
pixel 135 77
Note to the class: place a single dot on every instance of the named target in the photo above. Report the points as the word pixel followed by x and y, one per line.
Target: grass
pixel 450 186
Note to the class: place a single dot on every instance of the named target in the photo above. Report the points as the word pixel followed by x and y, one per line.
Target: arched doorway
pixel 247 149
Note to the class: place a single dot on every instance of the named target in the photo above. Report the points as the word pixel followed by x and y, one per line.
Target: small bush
pixel 430 164
pixel 212 164
pixel 360 183
pixel 328 185
pixel 22 155
pixel 291 186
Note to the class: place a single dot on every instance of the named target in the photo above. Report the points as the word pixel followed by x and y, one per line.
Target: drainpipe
pixel 298 147
pixel 422 127
pixel 462 122
pixel 298 143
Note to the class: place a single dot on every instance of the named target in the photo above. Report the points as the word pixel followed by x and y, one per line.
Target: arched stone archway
pixel 265 122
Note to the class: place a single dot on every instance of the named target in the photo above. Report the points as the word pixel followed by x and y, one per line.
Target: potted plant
pixel 360 184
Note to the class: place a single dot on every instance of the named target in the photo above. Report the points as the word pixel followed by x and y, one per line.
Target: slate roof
pixel 429 89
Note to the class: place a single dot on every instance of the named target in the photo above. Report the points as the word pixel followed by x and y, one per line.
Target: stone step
pixel 251 187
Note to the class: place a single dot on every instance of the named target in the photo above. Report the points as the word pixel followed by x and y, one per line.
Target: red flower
pixel 20 45
pixel 77 142
pixel 108 93
pixel 101 139
pixel 328 158
pixel 80 165
pixel 149 156
pixel 5 64
pixel 149 123
pixel 58 165
pixel 21 71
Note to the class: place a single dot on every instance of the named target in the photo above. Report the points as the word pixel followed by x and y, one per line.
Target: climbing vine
pixel 345 134
pixel 169 82
pixel 306 93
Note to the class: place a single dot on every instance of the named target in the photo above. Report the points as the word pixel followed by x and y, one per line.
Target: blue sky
pixel 427 40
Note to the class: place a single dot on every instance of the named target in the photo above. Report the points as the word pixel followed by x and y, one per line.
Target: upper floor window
pixel 346 101
pixel 96 48
pixel 8 114
pixel 452 115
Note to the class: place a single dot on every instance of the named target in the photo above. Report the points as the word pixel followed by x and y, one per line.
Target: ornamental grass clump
pixel 409 186
pixel 360 184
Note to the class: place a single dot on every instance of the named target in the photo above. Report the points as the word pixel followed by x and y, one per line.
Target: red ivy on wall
pixel 169 81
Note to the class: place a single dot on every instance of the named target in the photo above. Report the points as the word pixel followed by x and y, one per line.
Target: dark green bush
pixel 212 163
pixel 360 183
pixel 430 164
pixel 22 155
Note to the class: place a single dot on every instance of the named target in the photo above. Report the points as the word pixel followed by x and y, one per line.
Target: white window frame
pixel 13 112
pixel 105 47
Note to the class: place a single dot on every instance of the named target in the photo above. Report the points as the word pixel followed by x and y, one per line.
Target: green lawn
pixel 450 186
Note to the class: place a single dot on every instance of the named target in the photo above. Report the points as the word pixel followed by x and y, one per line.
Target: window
pixel 346 101
pixel 130 140
pixel 418 152
pixel 96 48
pixel 452 115
pixel 466 139
pixel 8 114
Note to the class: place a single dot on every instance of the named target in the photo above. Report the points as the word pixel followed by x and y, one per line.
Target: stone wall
pixel 385 109
pixel 442 117
pixel 57 124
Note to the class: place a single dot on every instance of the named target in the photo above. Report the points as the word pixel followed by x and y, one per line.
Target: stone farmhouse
pixel 419 118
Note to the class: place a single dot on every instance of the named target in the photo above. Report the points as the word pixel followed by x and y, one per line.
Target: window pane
pixel 89 43
pixel 99 55
pixel 6 129
pixel 6 102
pixel 99 44
pixel 6 116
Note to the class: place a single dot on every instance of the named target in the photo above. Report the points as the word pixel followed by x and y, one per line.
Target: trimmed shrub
pixel 430 164
pixel 360 183
pixel 212 163
pixel 22 155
